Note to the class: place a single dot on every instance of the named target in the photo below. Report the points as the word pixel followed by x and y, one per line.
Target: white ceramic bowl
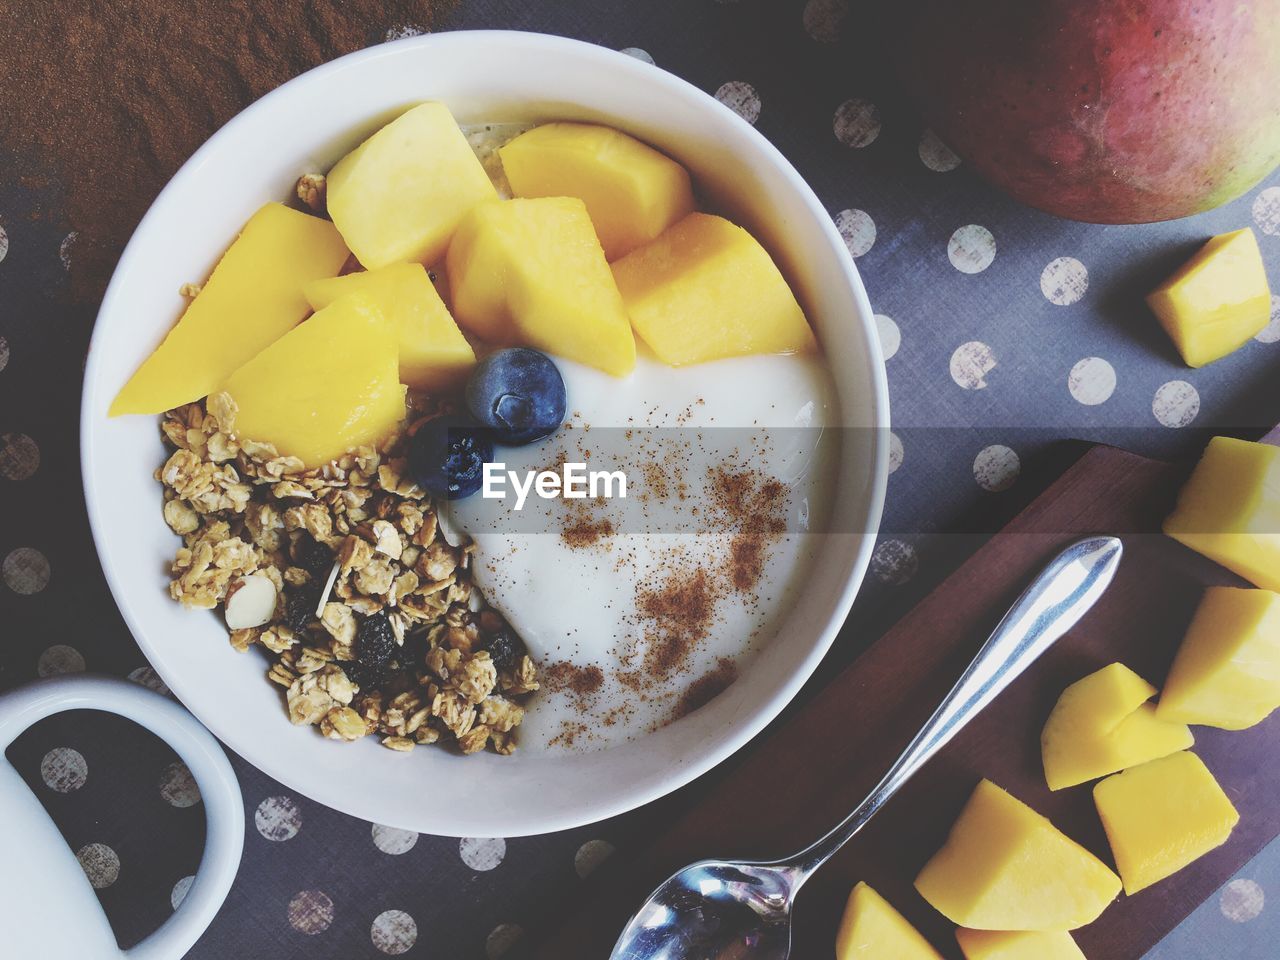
pixel 306 125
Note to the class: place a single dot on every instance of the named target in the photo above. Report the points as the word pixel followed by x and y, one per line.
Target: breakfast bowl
pixel 305 126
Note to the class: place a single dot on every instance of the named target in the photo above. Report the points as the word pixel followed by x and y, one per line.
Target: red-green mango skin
pixel 1109 111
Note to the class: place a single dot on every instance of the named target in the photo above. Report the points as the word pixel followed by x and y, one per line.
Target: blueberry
pixel 448 455
pixel 313 556
pixel 519 393
pixel 505 648
pixel 300 607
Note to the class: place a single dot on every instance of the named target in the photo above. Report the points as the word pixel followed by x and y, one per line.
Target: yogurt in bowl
pixel 306 125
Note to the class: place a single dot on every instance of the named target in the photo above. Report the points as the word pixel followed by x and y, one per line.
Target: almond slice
pixel 252 603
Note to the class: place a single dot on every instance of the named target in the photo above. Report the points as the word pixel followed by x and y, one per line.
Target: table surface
pixel 994 375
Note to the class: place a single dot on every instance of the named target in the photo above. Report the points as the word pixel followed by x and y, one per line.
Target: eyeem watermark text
pixel 573 482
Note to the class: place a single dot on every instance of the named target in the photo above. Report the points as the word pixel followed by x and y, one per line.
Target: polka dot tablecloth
pixel 1009 336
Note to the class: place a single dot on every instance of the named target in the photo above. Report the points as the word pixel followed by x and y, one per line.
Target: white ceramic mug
pixel 47 907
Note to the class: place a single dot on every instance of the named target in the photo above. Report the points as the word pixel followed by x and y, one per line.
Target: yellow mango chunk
pixel 1227 671
pixel 1005 867
pixel 327 386
pixel 253 296
pixel 1102 724
pixel 1217 300
pixel 531 272
pixel 632 191
pixel 871 928
pixel 706 289
pixel 1017 945
pixel 434 355
pixel 1161 816
pixel 401 194
pixel 1230 509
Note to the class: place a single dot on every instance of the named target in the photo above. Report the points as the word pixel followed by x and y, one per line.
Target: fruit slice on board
pixel 1102 724
pixel 434 355
pixel 872 928
pixel 1005 867
pixel 253 297
pixel 1161 816
pixel 1229 509
pixel 1227 671
pixel 326 387
pixel 1017 945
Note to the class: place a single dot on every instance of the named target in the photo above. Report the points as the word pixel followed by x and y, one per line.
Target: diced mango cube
pixel 401 194
pixel 531 272
pixel 1005 867
pixel 1017 945
pixel 1102 724
pixel 1217 300
pixel 253 296
pixel 1161 816
pixel 434 355
pixel 871 928
pixel 632 191
pixel 1230 509
pixel 706 289
pixel 327 386
pixel 1227 671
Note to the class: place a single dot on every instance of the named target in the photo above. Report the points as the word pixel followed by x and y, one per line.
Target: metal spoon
pixel 729 910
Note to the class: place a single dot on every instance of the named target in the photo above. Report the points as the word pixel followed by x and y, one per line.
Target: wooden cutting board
pixel 794 784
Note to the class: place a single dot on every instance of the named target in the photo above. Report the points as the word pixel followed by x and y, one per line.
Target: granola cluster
pixel 355 554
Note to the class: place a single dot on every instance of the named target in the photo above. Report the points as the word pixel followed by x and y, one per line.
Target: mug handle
pixel 219 789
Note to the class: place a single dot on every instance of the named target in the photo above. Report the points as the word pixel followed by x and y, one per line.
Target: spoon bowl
pixel 727 910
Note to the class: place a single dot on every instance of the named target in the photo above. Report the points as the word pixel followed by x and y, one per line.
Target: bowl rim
pixel 688 768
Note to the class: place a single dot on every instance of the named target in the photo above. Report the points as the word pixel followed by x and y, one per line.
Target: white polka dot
pixel 179 891
pixel 278 819
pixel 100 864
pixel 741 98
pixel 1241 901
pixel 591 855
pixel 896 453
pixel 393 932
pixel 60 659
pixel 25 571
pixel 857 229
pixel 4 353
pixel 19 456
pixel 894 562
pixel 1266 210
pixel 393 840
pixel 1092 381
pixel 824 19
pixel 482 853
pixel 400 31
pixel 857 123
pixel 935 154
pixel 996 468
pixel 638 53
pixel 149 679
pixel 971 248
pixel 1268 334
pixel 65 248
pixel 64 769
pixel 1064 281
pixel 501 939
pixel 970 364
pixel 1176 403
pixel 890 335
pixel 310 912
pixel 4 243
pixel 178 786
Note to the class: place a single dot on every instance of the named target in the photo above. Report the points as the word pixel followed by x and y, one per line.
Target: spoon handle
pixel 1052 605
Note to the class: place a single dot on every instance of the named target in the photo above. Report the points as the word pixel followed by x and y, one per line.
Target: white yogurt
pixel 577 605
